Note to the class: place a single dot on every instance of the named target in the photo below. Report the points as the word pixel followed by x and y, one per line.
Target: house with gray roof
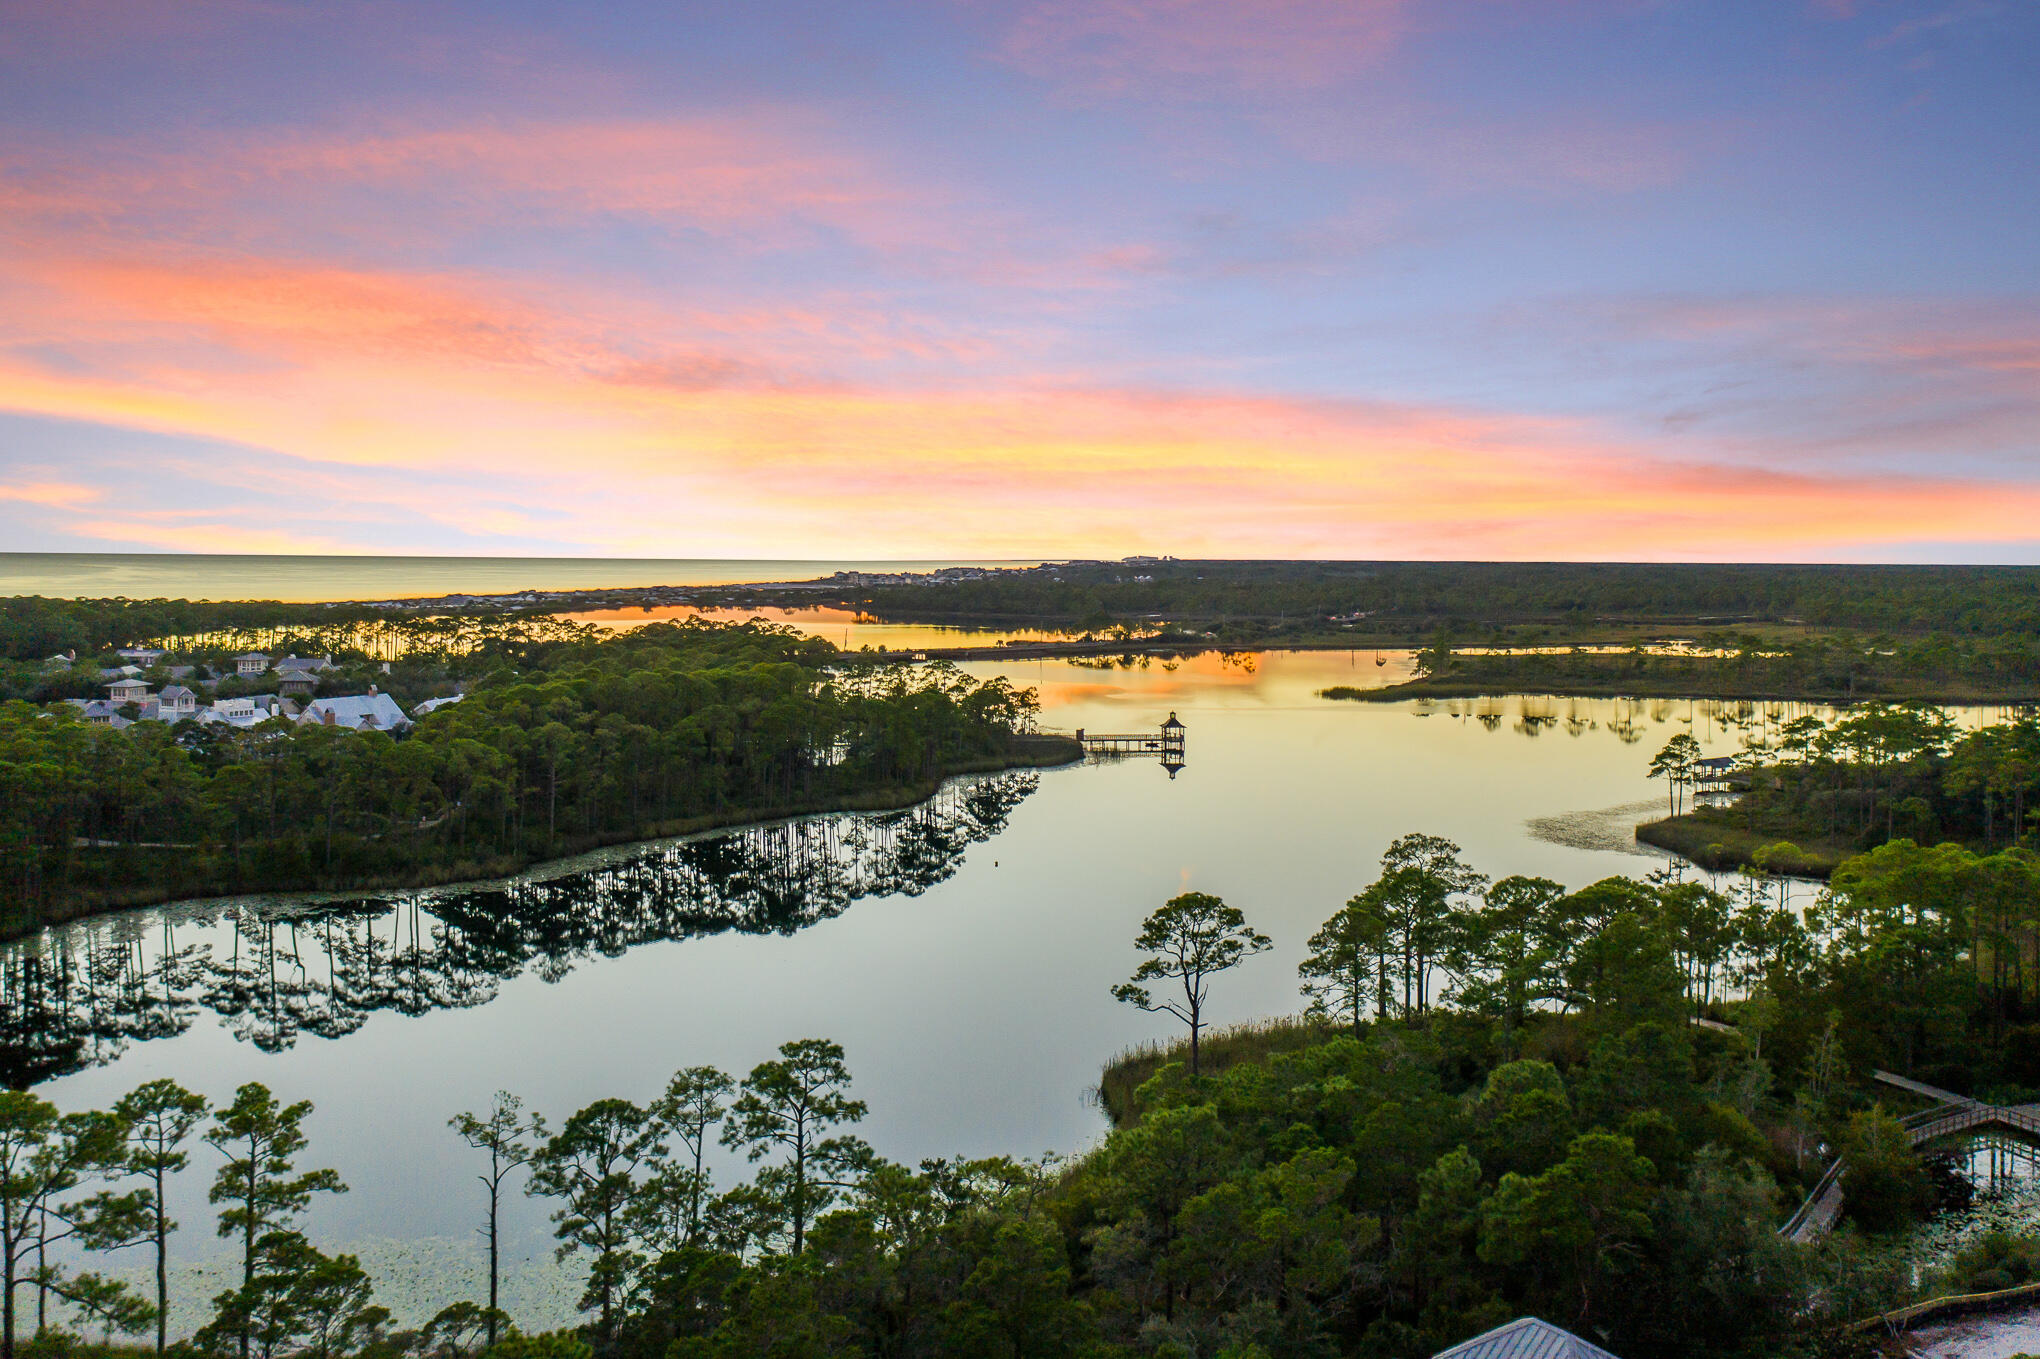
pixel 372 711
pixel 99 711
pixel 176 703
pixel 433 705
pixel 250 663
pixel 127 690
pixel 300 674
pixel 1525 1338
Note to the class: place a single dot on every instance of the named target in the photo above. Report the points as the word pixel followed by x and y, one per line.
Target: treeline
pixel 1881 772
pixel 33 627
pixel 586 740
pixel 1503 1109
pixel 1972 601
pixel 1833 667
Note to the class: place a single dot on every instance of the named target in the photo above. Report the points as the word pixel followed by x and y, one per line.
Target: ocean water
pixel 299 579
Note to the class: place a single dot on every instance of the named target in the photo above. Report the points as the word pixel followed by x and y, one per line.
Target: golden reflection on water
pixel 847 628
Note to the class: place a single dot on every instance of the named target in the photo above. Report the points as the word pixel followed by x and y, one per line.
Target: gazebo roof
pixel 1172 723
pixel 1525 1338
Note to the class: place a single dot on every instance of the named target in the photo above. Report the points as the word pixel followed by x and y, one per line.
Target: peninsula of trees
pixel 564 739
pixel 1822 792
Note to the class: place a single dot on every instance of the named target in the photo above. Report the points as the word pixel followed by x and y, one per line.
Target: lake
pixel 962 953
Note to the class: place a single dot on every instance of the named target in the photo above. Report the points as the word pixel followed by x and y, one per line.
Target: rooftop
pixel 1525 1338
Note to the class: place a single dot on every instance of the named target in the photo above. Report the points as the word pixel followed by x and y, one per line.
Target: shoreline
pixel 1696 687
pixel 1718 845
pixel 1035 752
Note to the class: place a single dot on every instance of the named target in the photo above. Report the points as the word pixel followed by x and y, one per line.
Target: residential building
pixel 250 663
pixel 433 705
pixel 1525 1338
pixel 177 703
pixel 247 712
pixel 144 656
pixel 127 690
pixel 372 711
pixel 300 674
pixel 99 711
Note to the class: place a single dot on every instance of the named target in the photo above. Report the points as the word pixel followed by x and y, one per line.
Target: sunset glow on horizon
pixel 1558 279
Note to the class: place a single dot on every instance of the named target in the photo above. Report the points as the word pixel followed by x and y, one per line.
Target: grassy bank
pixel 179 873
pixel 1255 1041
pixel 1757 679
pixel 1712 839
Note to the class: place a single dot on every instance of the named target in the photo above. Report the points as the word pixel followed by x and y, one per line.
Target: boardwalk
pixel 1166 741
pixel 1950 1114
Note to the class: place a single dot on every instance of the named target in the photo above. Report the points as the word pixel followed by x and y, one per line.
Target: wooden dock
pixel 1167 742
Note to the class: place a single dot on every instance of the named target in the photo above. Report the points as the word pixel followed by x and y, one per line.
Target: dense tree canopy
pixel 581 741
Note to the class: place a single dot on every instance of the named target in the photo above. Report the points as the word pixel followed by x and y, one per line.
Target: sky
pixel 1515 279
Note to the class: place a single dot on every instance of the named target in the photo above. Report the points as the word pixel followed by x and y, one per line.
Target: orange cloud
pixel 691 452
pixel 623 418
pixel 55 495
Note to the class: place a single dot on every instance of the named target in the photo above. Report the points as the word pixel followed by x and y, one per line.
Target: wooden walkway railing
pixel 1950 1114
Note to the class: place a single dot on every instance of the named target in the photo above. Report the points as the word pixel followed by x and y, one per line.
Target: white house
pixel 371 711
pixel 246 712
pixel 144 656
pixel 250 663
pixel 433 705
pixel 177 703
pixel 127 691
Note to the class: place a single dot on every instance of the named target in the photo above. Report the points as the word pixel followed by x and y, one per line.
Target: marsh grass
pixel 1254 1041
pixel 1717 843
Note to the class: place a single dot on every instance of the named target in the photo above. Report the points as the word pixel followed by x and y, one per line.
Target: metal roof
pixel 1525 1338
pixel 355 710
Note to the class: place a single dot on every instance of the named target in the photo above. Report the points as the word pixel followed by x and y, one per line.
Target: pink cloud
pixel 758 180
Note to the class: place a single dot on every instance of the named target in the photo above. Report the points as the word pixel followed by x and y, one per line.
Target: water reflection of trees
pixel 77 997
pixel 1754 724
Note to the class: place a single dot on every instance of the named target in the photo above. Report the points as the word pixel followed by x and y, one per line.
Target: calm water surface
pixel 846 628
pixel 962 954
